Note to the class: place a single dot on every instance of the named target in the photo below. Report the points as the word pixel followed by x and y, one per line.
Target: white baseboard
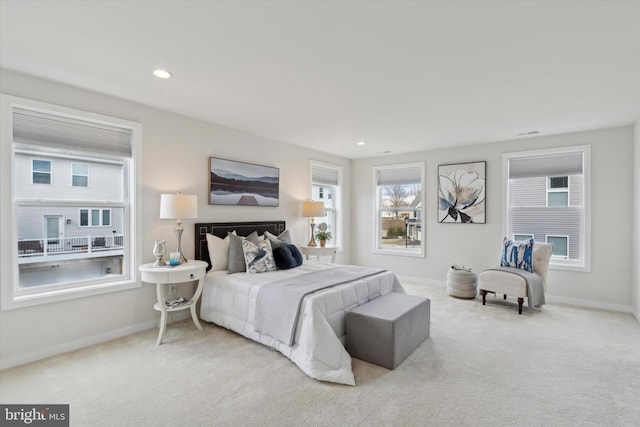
pixel 22 359
pixel 589 304
pixel 421 280
pixel 549 298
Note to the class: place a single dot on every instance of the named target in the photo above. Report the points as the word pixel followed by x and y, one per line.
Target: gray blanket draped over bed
pixel 535 286
pixel 278 303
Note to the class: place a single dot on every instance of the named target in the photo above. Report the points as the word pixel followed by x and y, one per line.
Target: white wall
pixel 176 150
pixel 478 245
pixel 636 220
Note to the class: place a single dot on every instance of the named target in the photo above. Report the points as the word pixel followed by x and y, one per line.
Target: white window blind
pixel 546 165
pixel 400 176
pixel 324 175
pixel 69 133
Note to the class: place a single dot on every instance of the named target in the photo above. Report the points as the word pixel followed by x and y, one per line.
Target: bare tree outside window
pixel 395 197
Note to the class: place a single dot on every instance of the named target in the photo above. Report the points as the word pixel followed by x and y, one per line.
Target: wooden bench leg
pixel 484 296
pixel 520 302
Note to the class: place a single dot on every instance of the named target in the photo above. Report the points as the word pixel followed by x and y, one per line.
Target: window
pixel 41 171
pixel 558 191
pixel 95 217
pixel 399 209
pixel 522 237
pixel 71 240
pixel 326 186
pixel 547 196
pixel 79 175
pixel 560 246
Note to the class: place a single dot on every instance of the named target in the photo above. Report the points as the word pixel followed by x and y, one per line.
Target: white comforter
pixel 229 300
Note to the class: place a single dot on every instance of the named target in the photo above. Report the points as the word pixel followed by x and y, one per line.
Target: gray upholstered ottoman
pixel 387 329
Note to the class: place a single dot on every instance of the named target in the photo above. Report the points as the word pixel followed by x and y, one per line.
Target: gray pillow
pixel 278 241
pixel 236 263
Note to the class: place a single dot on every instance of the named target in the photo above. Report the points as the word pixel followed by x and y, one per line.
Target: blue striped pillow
pixel 517 254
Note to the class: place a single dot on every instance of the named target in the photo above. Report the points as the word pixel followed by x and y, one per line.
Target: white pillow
pixel 218 251
pixel 258 258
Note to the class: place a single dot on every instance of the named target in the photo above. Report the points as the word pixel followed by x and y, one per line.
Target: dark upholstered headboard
pixel 221 229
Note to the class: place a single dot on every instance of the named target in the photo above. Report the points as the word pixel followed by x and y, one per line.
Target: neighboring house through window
pixel 399 209
pixel 326 187
pixel 547 197
pixel 71 239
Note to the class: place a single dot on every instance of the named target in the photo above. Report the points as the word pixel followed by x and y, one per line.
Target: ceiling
pixel 403 76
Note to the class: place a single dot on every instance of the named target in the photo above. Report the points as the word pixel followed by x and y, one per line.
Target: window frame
pixel 33 171
pixel 564 236
pixel 583 265
pixel 90 211
pixel 566 190
pixel 378 209
pixel 337 200
pixel 14 297
pixel 522 234
pixel 73 175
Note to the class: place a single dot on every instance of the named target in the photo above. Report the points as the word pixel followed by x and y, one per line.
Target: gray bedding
pixel 278 303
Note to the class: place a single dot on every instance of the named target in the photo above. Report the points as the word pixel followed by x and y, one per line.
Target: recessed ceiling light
pixel 163 74
pixel 361 143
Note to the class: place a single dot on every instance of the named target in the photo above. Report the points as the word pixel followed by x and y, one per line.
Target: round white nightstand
pixel 318 251
pixel 163 276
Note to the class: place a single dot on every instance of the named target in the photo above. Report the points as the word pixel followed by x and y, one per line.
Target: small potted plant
pixel 323 236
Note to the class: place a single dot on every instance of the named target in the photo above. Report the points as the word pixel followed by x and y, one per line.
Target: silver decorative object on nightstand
pixel 159 250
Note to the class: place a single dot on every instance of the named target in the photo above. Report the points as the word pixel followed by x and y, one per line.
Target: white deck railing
pixel 37 248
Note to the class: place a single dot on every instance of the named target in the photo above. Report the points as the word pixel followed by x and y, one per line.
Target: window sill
pixel 400 252
pixel 52 294
pixel 570 267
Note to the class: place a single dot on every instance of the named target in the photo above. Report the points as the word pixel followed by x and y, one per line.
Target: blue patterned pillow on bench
pixel 517 254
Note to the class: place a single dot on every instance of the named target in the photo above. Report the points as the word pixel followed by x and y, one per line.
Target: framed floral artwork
pixel 461 193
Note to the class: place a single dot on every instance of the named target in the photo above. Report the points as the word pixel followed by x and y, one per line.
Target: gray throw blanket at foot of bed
pixel 278 303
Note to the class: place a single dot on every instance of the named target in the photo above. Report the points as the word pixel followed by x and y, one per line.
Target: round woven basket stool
pixel 462 283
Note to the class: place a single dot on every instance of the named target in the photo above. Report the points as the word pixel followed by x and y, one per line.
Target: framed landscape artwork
pixel 461 193
pixel 242 184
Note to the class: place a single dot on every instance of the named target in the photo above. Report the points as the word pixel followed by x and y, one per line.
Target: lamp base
pixel 312 242
pixel 179 231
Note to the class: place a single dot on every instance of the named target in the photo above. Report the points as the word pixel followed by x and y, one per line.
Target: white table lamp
pixel 178 207
pixel 311 209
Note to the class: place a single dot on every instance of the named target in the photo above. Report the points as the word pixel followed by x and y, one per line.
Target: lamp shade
pixel 312 209
pixel 178 206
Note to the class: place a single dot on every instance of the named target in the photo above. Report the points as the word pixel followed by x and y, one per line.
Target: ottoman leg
pixel 484 296
pixel 520 301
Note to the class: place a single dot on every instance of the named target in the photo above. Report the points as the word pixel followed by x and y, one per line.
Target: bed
pixel 229 300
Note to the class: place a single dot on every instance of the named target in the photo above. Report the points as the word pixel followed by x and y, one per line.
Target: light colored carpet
pixel 482 366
